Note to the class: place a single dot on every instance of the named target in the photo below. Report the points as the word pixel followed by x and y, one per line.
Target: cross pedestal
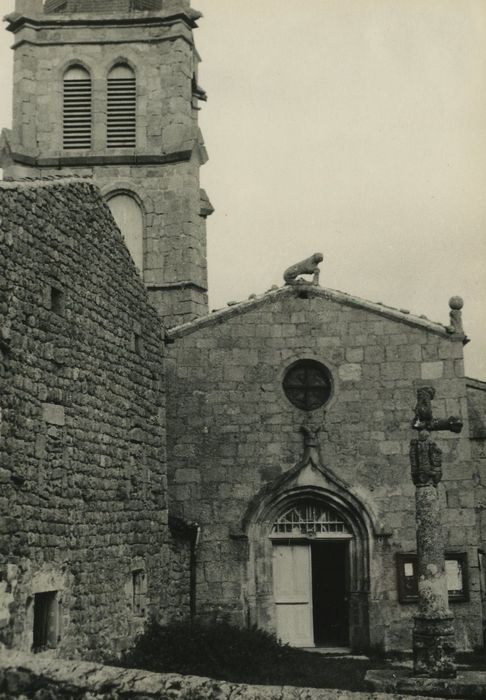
pixel 433 631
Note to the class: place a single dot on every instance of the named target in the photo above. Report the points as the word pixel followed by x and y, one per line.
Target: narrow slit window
pixel 139 587
pixel 77 109
pixel 57 301
pixel 138 343
pixel 121 108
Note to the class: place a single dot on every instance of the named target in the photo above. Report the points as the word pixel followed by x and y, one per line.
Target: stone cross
pixel 433 632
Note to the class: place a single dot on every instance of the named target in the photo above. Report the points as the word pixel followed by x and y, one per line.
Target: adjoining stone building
pixel 85 542
pixel 287 417
pixel 105 91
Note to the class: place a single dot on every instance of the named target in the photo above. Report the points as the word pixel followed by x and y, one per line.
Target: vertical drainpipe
pixel 194 543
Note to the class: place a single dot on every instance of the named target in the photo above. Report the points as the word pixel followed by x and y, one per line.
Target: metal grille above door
pixel 310 519
pixel 121 108
pixel 77 109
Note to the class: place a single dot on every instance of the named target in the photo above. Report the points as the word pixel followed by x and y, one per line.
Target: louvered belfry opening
pixel 121 108
pixel 77 109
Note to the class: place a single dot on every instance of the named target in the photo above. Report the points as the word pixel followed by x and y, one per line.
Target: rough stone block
pixel 390 447
pixel 432 370
pixel 354 355
pixel 53 414
pixel 350 372
pixel 187 476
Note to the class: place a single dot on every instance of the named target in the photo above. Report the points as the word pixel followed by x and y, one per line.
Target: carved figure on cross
pixel 423 414
pixel 425 455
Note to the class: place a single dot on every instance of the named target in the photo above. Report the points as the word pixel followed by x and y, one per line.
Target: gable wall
pixel 231 432
pixel 82 450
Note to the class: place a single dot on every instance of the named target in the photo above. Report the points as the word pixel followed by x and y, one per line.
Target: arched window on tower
pixel 129 218
pixel 121 117
pixel 77 108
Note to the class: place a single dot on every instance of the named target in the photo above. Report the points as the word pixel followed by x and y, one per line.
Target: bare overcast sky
pixel 352 127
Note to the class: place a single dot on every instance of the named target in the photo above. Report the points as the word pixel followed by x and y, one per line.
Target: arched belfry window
pixel 77 108
pixel 129 218
pixel 310 519
pixel 121 108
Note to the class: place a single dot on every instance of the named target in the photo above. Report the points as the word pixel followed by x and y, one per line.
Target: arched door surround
pixel 305 529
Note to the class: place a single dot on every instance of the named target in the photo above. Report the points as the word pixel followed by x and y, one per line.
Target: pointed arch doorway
pixel 311 550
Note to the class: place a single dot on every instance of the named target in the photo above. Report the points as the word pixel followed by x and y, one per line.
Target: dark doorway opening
pixel 46 621
pixel 329 593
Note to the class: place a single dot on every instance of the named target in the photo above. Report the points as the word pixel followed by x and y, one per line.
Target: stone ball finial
pixel 455 315
pixel 456 303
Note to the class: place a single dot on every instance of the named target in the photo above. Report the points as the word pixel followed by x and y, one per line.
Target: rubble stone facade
pixel 84 535
pixel 476 395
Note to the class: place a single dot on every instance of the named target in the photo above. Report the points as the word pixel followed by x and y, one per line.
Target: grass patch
pixel 224 652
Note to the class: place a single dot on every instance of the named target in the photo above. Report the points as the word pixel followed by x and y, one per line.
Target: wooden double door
pixel 310 584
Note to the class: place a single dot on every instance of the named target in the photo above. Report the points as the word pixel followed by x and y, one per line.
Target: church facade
pixel 289 425
pixel 283 422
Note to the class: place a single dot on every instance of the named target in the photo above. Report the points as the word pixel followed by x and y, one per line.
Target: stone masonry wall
pixel 476 394
pixel 179 576
pixel 164 62
pixel 82 450
pixel 232 434
pixel 161 173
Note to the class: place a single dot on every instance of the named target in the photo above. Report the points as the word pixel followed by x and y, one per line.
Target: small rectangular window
pixel 46 621
pixel 57 301
pixel 139 583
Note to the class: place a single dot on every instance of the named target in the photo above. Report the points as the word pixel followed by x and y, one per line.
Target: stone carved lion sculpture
pixel 309 266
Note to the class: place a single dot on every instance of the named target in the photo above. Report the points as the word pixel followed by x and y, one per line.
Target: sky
pixel 355 128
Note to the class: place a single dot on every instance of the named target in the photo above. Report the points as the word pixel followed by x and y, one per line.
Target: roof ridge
pixel 472 382
pixel 44 181
pixel 236 308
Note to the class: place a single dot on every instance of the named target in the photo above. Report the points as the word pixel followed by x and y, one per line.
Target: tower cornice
pixel 16 21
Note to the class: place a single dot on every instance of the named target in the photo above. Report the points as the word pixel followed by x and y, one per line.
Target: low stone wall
pixel 23 676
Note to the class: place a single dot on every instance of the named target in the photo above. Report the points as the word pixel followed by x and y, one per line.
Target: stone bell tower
pixel 108 89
